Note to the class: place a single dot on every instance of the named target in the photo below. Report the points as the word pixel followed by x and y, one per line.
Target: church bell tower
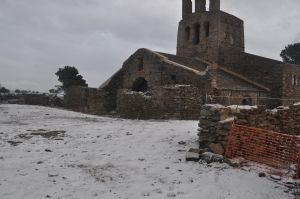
pixel 205 33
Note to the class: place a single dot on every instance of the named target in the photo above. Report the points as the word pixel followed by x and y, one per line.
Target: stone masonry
pixel 86 100
pixel 216 121
pixel 214 127
pixel 177 101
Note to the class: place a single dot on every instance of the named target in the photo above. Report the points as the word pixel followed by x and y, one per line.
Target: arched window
pixel 140 85
pixel 206 25
pixel 197 33
pixel 187 33
pixel 247 100
pixel 295 80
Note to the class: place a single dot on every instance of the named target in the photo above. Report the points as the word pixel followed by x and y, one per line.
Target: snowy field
pixel 52 153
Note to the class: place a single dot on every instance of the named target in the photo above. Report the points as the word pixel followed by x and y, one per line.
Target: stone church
pixel 210 66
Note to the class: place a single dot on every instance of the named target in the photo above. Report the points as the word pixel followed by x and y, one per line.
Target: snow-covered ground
pixel 107 158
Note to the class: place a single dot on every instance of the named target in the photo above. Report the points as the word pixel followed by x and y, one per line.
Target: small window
pixel 141 64
pixel 231 40
pixel 197 34
pixel 173 77
pixel 206 29
pixel 187 33
pixel 247 100
pixel 295 80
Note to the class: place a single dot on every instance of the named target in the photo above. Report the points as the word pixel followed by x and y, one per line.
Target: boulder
pixel 216 148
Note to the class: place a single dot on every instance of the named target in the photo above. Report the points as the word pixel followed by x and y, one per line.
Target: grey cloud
pixel 96 36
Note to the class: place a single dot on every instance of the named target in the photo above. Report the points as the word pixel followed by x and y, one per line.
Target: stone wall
pixel 176 101
pixel 86 100
pixel 216 121
pixel 180 101
pixel 283 119
pixel 214 127
pixel 135 105
pixel 36 99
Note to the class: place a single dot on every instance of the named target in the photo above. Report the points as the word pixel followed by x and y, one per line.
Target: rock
pixel 216 148
pixel 182 143
pixel 193 150
pixel 192 156
pixel 203 150
pixel 14 143
pixel 211 157
pixel 48 150
pixel 52 175
pixel 262 175
pixel 275 177
pixel 236 162
pixel 248 169
pixel 171 195
pixel 128 133
pixel 40 162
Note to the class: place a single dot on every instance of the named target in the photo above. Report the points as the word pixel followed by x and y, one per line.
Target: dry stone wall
pixel 216 121
pixel 134 105
pixel 214 127
pixel 87 100
pixel 283 119
pixel 180 101
pixel 176 101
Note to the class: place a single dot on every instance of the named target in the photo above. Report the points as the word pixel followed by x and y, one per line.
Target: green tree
pixel 291 54
pixel 69 76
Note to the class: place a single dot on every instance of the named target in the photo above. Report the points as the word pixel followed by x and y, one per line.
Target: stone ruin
pixel 210 58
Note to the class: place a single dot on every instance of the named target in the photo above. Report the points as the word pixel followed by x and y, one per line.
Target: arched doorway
pixel 140 85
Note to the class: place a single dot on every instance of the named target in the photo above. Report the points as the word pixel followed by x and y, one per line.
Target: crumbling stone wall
pixel 283 119
pixel 175 101
pixel 36 99
pixel 135 105
pixel 216 121
pixel 180 101
pixel 214 127
pixel 86 100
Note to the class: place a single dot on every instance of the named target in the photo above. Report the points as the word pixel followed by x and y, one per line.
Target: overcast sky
pixel 39 36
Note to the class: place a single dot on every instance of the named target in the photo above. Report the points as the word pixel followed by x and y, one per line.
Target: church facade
pixel 210 66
